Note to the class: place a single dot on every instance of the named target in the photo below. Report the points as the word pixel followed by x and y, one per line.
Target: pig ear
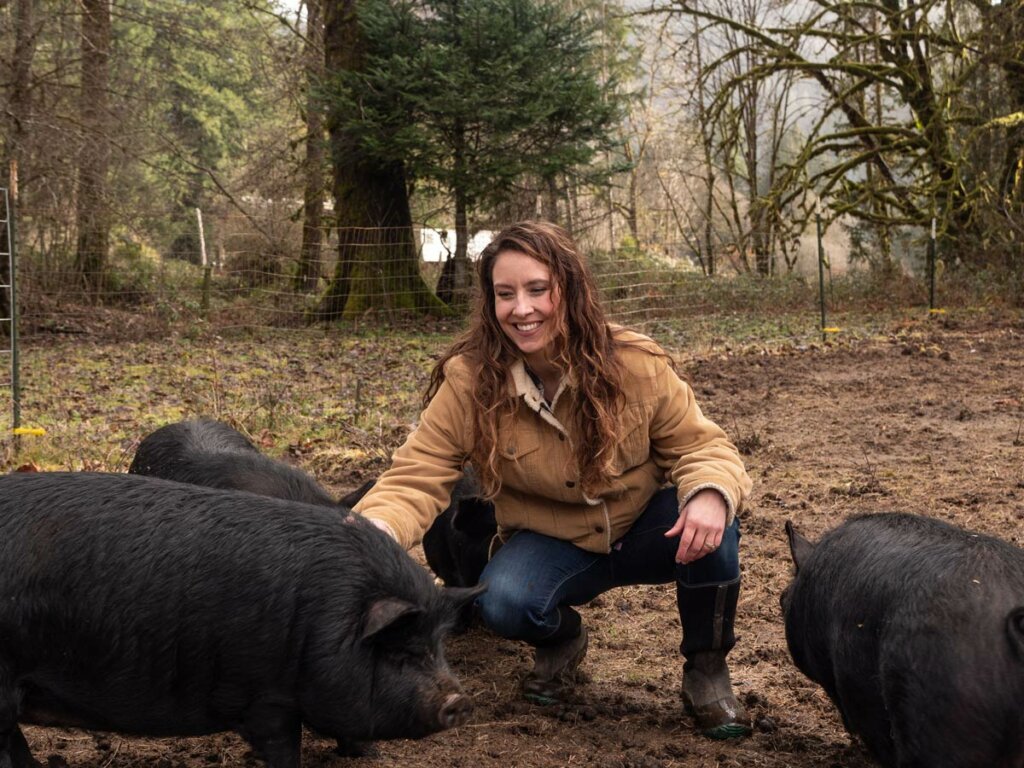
pixel 460 597
pixel 799 547
pixel 386 613
pixel 349 499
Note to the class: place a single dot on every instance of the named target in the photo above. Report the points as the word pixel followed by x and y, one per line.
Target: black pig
pixel 144 606
pixel 213 454
pixel 457 544
pixel 915 629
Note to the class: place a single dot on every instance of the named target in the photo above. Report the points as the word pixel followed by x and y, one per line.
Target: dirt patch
pixel 927 420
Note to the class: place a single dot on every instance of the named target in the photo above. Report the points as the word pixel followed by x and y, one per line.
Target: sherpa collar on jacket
pixel 522 385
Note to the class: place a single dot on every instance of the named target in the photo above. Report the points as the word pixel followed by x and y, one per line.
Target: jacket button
pixel 570 484
pixel 561 436
pixel 599 528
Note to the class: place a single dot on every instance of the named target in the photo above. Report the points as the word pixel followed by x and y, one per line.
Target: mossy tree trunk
pixel 378 262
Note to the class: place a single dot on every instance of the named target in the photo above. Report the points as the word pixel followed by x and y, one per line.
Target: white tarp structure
pixel 439 244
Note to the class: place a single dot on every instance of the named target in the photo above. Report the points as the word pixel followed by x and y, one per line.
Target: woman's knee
pixel 506 609
pixel 528 579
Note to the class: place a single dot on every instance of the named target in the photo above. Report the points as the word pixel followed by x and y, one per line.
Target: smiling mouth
pixel 527 327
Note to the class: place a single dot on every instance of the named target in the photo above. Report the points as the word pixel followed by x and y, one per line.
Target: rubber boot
pixel 707 613
pixel 554 667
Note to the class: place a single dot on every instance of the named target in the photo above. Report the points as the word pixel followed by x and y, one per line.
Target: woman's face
pixel 525 303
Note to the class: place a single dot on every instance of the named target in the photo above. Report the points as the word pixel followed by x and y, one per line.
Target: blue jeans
pixel 534 579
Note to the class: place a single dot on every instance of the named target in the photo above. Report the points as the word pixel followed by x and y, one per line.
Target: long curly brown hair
pixel 585 350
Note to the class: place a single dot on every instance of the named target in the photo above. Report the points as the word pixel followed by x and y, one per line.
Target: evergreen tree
pixel 199 116
pixel 474 95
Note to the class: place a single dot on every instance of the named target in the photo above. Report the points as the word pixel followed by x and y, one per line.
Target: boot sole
pixel 541 700
pixel 727 731
pixel 723 732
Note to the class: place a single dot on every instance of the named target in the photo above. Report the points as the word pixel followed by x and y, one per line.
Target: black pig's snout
pixel 456 710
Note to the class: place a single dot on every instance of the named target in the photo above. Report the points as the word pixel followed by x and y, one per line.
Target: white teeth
pixel 527 327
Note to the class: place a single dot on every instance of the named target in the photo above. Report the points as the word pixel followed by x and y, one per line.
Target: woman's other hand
pixel 700 526
pixel 384 527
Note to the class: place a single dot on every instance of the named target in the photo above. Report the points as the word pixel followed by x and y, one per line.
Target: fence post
pixel 931 269
pixel 12 234
pixel 205 301
pixel 821 273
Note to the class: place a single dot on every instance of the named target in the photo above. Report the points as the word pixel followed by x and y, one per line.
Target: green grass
pixel 339 402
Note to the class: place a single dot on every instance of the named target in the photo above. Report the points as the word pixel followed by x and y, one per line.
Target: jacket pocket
pixel 634 446
pixel 520 458
pixel 520 446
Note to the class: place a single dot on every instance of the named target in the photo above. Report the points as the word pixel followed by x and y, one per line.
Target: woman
pixel 573 427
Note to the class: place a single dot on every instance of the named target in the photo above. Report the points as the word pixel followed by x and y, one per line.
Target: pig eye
pixel 395 656
pixel 406 655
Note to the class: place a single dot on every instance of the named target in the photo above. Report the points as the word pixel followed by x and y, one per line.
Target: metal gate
pixel 9 307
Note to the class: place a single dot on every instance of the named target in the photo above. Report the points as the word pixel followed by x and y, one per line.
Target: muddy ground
pixel 925 419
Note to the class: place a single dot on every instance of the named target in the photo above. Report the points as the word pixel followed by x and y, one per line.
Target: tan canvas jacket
pixel 664 438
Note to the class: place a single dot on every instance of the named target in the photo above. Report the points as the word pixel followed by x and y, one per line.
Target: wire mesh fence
pixel 265 297
pixel 392 276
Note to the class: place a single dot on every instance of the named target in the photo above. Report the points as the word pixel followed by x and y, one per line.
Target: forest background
pixel 678 140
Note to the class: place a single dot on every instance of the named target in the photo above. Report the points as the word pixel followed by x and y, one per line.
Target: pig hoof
pixel 456 710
